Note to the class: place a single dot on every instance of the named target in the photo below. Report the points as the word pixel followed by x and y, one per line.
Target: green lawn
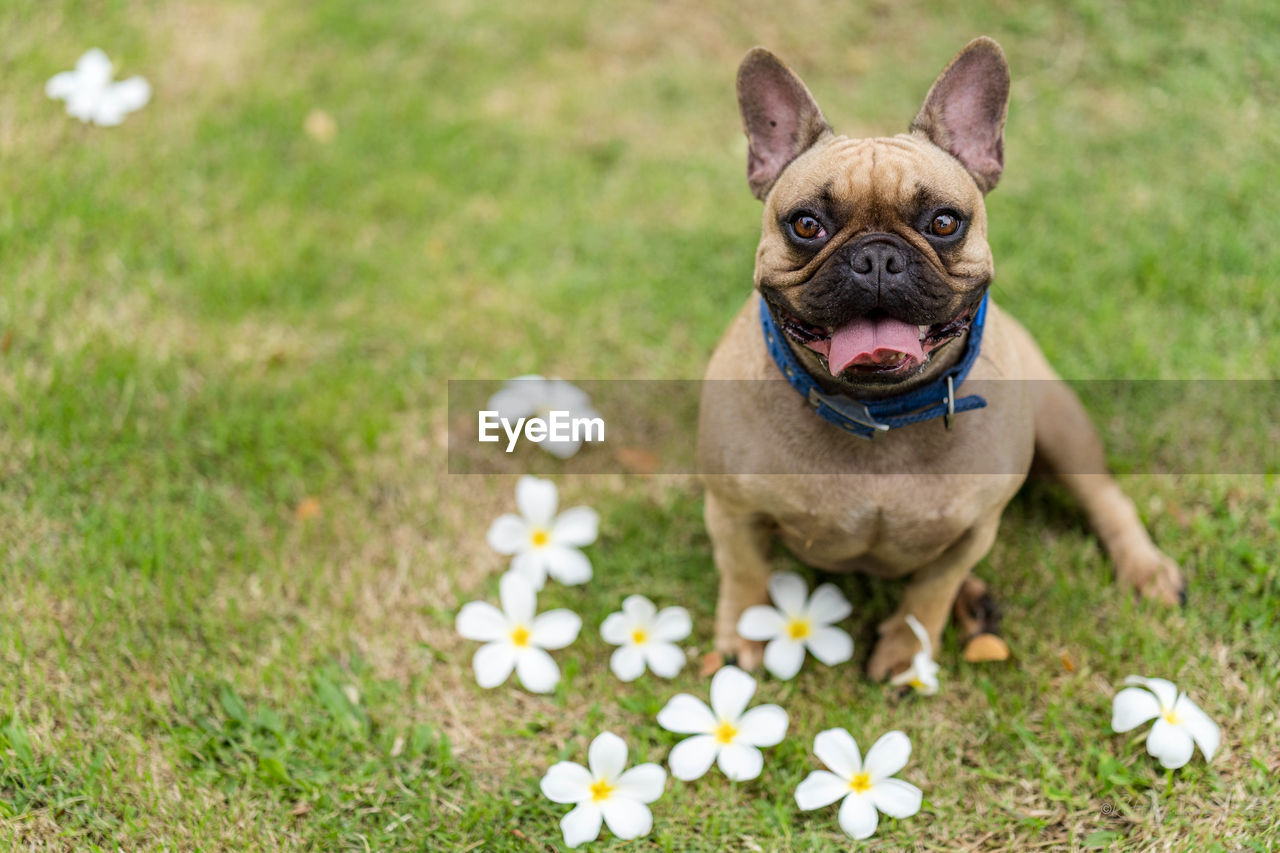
pixel 231 555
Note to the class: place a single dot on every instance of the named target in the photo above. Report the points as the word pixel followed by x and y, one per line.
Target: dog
pixel 852 439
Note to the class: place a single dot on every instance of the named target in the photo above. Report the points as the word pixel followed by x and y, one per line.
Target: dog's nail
pixel 1182 597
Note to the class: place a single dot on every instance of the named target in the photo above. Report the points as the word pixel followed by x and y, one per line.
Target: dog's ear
pixel 965 110
pixel 779 115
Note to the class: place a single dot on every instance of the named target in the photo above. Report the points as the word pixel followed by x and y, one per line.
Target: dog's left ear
pixel 965 110
pixel 779 115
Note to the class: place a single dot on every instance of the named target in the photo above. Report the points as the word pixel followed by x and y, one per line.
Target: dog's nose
pixel 879 264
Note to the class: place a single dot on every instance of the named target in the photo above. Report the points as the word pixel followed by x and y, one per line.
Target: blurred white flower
pixel 537 396
pixel 923 672
pixel 606 792
pixel 515 638
pixel 798 622
pixel 90 94
pixel 542 542
pixel 1180 724
pixel 646 636
pixel 866 786
pixel 725 733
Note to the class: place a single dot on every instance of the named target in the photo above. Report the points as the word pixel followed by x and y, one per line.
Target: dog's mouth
pixel 875 343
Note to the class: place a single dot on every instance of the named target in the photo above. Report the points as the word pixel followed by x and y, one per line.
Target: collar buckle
pixel 848 409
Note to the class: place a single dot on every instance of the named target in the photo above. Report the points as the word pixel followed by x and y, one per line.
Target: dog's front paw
pixel 1153 574
pixel 744 654
pixel 893 651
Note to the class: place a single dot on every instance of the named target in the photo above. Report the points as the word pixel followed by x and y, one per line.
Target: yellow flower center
pixel 916 683
pixel 1172 718
pixel 539 537
pixel 798 629
pixel 520 636
pixel 861 782
pixel 600 790
pixel 726 732
pixel 638 636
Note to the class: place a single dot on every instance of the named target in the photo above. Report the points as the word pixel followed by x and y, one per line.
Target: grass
pixel 231 554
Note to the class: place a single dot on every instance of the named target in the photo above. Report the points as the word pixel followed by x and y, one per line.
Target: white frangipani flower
pixel 537 396
pixel 515 638
pixel 725 733
pixel 90 94
pixel 542 542
pixel 644 636
pixel 606 792
pixel 866 786
pixel 1180 724
pixel 798 622
pixel 923 672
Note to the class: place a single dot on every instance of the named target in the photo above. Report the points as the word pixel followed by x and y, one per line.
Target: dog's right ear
pixel 779 115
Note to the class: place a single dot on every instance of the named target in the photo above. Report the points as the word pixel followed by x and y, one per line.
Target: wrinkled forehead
pixel 878 180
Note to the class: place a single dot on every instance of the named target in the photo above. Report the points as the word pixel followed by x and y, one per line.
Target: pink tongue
pixel 873 342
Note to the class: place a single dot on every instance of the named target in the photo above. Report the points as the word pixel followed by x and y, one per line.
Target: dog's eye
pixel 944 225
pixel 806 227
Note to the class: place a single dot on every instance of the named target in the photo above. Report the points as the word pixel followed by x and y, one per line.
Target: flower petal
pixel 1203 731
pixel 567 565
pixel 576 527
pixel 627 819
pixel 627 663
pixel 763 725
pixel 671 624
pixel 896 798
pixel 607 756
pixel 837 749
pixel 740 761
pixel 516 399
pixel 783 657
pixel 639 609
pixel 493 663
pixel 731 690
pixel 562 394
pixel 858 816
pixel 531 566
pixel 1166 691
pixel 616 629
pixel 509 534
pixel 887 756
pixel 480 620
pixel 562 449
pixel 921 634
pixel 830 645
pixel 789 593
pixel 692 757
pixel 61 85
pixel 1169 743
pixel 566 782
pixel 1132 707
pixel 555 629
pixel 819 789
pixel 537 500
pixel 519 601
pixel 581 825
pixel 644 783
pixel 536 670
pixel 665 659
pixel 828 604
pixel 685 714
pixel 761 622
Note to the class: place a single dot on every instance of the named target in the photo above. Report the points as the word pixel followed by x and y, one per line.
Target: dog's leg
pixel 1068 444
pixel 929 596
pixel 740 546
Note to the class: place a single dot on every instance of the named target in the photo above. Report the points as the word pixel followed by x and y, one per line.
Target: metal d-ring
pixel 951 403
